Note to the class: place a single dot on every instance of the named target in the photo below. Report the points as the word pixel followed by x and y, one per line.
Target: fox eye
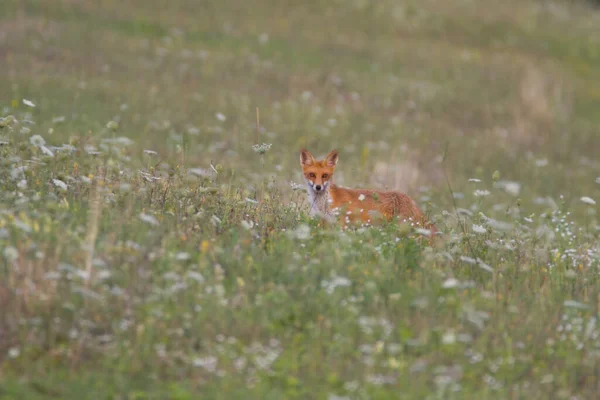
pixel 311 175
pixel 325 176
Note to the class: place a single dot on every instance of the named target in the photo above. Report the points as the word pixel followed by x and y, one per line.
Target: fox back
pixel 362 206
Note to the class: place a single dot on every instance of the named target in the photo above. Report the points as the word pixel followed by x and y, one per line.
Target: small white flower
pixel 60 184
pixel 575 304
pixel 296 186
pixel 449 338
pixel 361 197
pixel 149 219
pixel 513 188
pixel 113 125
pixel 451 283
pixel 474 180
pixel 28 103
pixel 37 140
pixel 197 276
pixel 262 148
pixel 481 193
pixel 182 256
pixel 302 232
pixel 14 352
pixel 208 363
pixel 588 200
pixel 479 229
pixel 335 282
pixel 598 180
pixel 221 117
pixel 150 152
pixel 10 253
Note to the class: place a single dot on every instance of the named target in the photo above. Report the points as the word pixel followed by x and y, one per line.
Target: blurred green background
pixel 397 87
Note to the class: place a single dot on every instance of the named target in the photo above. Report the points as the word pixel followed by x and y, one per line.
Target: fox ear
pixel 306 158
pixel 332 158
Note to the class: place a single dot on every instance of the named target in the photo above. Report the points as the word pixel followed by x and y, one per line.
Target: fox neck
pixel 319 201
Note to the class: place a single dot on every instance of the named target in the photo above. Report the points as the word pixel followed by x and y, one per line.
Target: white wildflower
pixel 262 148
pixel 208 363
pixel 150 152
pixel 512 188
pixel 335 282
pixel 451 283
pixel 449 338
pixel 296 186
pixel 481 193
pixel 361 197
pixel 575 304
pixel 479 229
pixel 149 219
pixel 598 180
pixel 112 125
pixel 203 172
pixel 197 276
pixel 60 184
pixel 588 200
pixel 28 103
pixel 221 117
pixel 474 180
pixel 37 140
pixel 182 256
pixel 14 352
pixel 18 172
pixel 10 253
pixel 302 232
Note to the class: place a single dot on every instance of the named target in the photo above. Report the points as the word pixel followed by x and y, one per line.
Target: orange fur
pixel 355 205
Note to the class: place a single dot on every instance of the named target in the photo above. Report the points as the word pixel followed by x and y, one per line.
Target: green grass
pixel 207 278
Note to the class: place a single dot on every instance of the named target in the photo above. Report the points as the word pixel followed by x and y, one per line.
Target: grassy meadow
pixel 155 241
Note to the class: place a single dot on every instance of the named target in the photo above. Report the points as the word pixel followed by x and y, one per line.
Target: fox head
pixel 318 173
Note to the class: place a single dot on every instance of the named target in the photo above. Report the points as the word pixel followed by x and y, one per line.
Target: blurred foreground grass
pixel 147 251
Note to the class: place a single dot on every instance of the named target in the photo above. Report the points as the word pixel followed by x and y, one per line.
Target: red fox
pixel 354 205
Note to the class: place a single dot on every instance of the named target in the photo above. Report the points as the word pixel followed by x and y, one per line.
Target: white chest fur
pixel 319 202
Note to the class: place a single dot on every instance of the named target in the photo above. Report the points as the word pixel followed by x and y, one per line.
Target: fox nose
pixel 318 187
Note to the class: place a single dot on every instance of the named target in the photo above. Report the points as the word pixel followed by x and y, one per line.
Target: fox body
pixel 361 206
